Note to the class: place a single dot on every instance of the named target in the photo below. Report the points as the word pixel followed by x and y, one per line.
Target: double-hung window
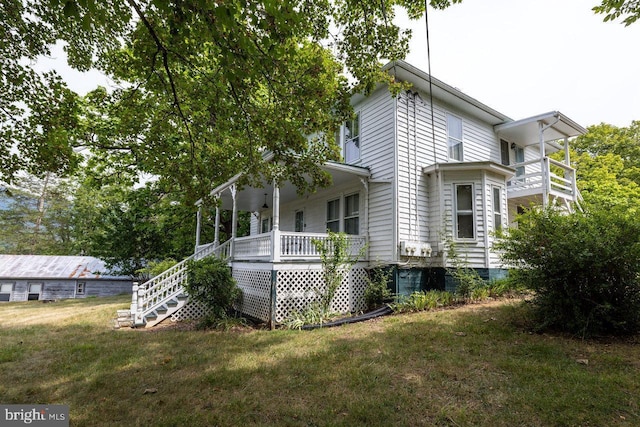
pixel 352 139
pixel 333 215
pixel 352 214
pixel 454 137
pixel 465 228
pixel 497 208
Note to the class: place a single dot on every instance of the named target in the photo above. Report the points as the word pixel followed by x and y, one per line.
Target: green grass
pixel 476 365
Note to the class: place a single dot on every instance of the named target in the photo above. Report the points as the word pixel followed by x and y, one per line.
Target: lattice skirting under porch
pixel 295 290
pixel 191 310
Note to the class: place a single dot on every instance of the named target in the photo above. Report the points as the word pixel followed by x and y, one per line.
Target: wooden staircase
pixel 159 298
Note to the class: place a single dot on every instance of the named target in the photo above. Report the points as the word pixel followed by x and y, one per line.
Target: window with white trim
pixel 80 288
pixel 465 227
pixel 5 291
pixel 454 137
pixel 352 139
pixel 333 215
pixel 352 214
pixel 497 208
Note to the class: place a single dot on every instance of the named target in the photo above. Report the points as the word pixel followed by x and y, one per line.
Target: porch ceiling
pixel 252 199
pixel 526 132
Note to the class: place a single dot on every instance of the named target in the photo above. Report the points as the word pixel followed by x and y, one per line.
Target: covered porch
pixel 538 177
pixel 274 239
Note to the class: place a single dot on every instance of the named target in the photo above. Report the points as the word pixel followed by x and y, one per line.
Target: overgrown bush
pixel 469 284
pixel 377 291
pixel 209 282
pixel 583 268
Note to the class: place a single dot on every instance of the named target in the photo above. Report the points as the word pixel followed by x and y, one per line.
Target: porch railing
pixel 543 176
pixel 288 246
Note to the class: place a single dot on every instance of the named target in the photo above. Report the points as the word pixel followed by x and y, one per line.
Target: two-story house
pixel 422 169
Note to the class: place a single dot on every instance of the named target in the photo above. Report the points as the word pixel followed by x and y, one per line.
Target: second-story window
pixel 454 137
pixel 352 139
pixel 519 159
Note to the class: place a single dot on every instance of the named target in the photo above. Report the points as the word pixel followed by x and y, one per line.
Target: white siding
pixel 377 152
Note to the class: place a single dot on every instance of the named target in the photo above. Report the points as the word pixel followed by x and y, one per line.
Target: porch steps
pixel 124 319
pixel 165 310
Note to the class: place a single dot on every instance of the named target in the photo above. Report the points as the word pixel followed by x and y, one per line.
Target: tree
pixel 607 161
pixel 628 10
pixel 206 87
pixel 35 217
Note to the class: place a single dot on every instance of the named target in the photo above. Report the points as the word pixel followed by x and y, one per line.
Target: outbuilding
pixel 46 277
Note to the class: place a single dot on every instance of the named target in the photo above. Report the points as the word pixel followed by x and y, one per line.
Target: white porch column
pixel 198 222
pixel 365 231
pixel 275 232
pixel 216 232
pixel 544 165
pixel 234 219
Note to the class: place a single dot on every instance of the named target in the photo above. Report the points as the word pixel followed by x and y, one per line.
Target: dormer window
pixel 454 137
pixel 352 139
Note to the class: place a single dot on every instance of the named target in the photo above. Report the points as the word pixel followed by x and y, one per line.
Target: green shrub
pixel 424 300
pixel 209 281
pixel 583 268
pixel 377 291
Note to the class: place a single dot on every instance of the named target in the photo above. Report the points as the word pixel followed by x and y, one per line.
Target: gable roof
pixel 54 267
pixel 404 71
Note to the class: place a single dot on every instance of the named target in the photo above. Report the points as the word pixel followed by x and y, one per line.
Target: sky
pixel 520 57
pixel 527 57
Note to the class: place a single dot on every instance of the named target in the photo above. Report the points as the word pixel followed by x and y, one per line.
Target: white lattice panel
pixel 296 289
pixel 191 310
pixel 256 292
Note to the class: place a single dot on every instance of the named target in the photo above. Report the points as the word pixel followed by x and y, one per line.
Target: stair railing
pixel 170 283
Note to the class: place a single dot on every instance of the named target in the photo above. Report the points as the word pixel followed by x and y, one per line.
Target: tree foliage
pixel 205 88
pixel 627 10
pixel 607 161
pixel 36 216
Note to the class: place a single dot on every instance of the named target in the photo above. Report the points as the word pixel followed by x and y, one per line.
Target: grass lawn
pixel 473 366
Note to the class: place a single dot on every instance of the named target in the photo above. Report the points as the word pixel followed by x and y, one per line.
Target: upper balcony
pixel 539 177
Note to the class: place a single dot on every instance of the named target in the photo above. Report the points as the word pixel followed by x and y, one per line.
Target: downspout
pixel 409 167
pixel 415 165
pixel 394 196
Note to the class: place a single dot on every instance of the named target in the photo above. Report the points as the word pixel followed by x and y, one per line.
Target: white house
pixel 421 169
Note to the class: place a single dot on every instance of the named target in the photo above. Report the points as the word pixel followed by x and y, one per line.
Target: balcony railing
pixel 543 176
